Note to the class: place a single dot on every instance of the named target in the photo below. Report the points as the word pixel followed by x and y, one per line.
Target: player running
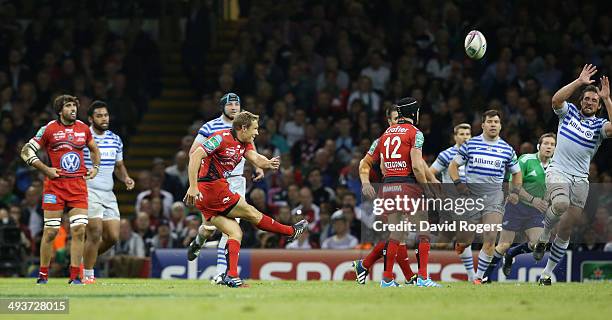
pixel 209 166
pixel 230 106
pixel 403 166
pixel 103 226
pixel 579 135
pixel 64 187
pixel 486 157
pixel 461 133
pixel 527 214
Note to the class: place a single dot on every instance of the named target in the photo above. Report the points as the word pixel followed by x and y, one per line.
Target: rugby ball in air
pixel 475 45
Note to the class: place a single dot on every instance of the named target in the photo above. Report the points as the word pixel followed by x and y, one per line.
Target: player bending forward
pixel 209 165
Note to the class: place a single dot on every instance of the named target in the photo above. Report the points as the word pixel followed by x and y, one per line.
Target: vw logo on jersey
pixel 498 163
pixel 70 162
pixel 588 134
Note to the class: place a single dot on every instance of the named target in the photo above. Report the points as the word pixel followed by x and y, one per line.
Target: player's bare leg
pixel 110 235
pixel 52 223
pixel 78 223
pixel 488 243
pixel 506 238
pixel 92 243
pixel 232 229
pixel 247 212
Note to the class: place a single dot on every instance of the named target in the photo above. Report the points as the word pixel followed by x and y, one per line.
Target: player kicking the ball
pixel 230 106
pixel 64 187
pixel 579 136
pixel 209 165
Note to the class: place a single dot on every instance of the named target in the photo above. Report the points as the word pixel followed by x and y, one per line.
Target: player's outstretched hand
pixel 129 183
pixel 259 174
pixel 587 72
pixel 192 195
pixel 274 163
pixel 52 173
pixel 540 204
pixel 604 92
pixel 368 191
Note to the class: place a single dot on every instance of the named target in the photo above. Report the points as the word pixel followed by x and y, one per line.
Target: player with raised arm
pixel 526 216
pixel 487 158
pixel 461 133
pixel 230 106
pixel 209 166
pixel 579 135
pixel 399 151
pixel 103 226
pixel 64 187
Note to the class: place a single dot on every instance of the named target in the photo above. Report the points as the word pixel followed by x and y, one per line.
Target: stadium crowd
pixel 320 75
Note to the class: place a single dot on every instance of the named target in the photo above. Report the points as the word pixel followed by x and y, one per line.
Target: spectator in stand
pixel 130 243
pixel 364 92
pixel 177 218
pixel 377 72
pixel 170 183
pixel 179 169
pixel 165 238
pixel 32 213
pixel 341 239
pixel 294 130
pixel 307 208
pixel 320 192
pixel 144 229
pixel 156 192
pixel 303 150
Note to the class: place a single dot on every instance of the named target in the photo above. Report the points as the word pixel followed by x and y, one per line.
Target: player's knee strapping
pixel 77 220
pixel 559 202
pixel 53 223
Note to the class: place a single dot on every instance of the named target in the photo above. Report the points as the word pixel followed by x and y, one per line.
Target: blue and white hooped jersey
pixel 215 125
pixel 111 151
pixel 578 139
pixel 442 162
pixel 486 162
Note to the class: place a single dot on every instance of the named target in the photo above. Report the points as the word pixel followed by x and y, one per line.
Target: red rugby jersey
pixel 224 152
pixel 64 146
pixel 393 149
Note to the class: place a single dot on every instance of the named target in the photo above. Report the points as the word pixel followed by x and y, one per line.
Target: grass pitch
pixel 114 299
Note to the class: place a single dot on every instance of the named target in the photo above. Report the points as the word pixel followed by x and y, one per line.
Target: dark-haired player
pixel 64 187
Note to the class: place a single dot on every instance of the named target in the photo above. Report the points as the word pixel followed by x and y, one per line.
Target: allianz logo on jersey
pixel 397 130
pixel 111 154
pixel 587 133
pixel 478 160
